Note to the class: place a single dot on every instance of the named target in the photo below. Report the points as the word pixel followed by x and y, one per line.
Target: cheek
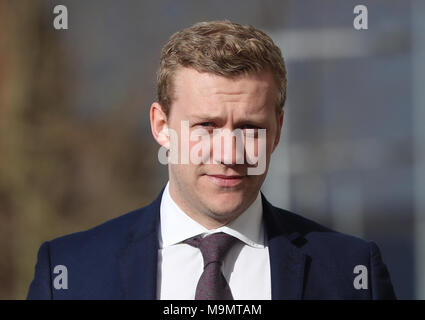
pixel 271 139
pixel 200 150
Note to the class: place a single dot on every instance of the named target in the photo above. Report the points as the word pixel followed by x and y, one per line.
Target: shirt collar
pixel 176 226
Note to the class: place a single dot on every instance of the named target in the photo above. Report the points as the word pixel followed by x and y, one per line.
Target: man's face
pixel 215 193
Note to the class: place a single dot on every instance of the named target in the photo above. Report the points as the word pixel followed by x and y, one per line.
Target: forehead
pixel 206 92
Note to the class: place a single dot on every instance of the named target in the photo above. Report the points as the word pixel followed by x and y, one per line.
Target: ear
pixel 159 125
pixel 279 130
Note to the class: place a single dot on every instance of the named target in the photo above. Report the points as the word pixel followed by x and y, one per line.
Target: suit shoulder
pixel 109 234
pixel 318 234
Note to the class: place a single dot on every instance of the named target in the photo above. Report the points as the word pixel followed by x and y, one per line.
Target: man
pixel 211 234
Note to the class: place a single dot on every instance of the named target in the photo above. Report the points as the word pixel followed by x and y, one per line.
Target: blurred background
pixel 75 142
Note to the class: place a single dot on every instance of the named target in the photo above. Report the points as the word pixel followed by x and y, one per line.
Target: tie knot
pixel 213 247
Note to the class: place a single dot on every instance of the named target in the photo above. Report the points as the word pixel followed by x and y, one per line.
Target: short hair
pixel 222 48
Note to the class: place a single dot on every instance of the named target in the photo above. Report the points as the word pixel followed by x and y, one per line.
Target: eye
pixel 250 126
pixel 206 124
pixel 250 130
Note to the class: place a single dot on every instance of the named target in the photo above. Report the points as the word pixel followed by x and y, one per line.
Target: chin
pixel 224 216
pixel 228 198
pixel 226 208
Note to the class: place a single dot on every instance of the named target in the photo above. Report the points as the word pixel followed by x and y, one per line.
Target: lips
pixel 225 180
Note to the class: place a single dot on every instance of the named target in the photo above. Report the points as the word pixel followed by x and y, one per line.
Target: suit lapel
pixel 287 262
pixel 139 258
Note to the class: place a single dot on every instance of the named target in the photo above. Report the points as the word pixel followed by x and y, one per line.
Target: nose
pixel 228 147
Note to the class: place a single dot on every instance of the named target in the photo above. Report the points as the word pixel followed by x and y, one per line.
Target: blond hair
pixel 222 48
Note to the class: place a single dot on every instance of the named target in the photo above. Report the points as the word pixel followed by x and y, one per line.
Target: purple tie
pixel 212 285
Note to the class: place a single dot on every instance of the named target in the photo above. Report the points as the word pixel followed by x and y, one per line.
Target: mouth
pixel 226 181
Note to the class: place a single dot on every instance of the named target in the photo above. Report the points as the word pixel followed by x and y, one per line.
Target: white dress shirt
pixel 246 266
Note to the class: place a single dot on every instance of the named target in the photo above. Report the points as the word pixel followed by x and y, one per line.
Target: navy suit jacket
pixel 118 260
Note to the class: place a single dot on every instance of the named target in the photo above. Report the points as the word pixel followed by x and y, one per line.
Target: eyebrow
pixel 203 117
pixel 214 118
pixel 206 116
